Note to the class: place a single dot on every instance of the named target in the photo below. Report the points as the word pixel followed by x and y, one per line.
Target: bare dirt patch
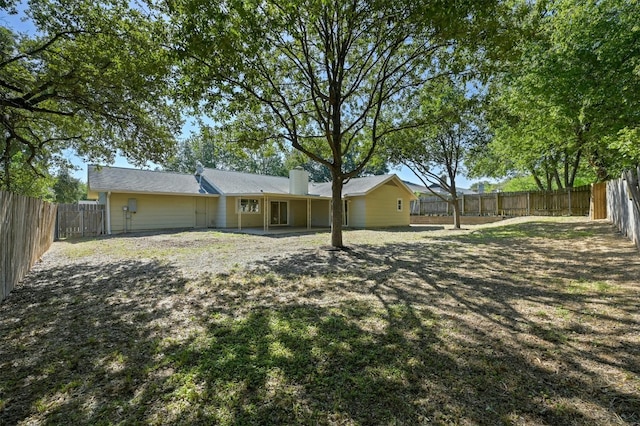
pixel 528 321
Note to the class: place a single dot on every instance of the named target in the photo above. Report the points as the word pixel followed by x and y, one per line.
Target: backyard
pixel 526 322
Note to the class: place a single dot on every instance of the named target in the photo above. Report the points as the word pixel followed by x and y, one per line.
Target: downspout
pixel 109 213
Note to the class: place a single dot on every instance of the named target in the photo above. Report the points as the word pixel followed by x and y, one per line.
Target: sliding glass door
pixel 279 213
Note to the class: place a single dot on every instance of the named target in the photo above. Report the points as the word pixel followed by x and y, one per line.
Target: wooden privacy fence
pixel 564 202
pixel 598 208
pixel 80 220
pixel 623 204
pixel 26 233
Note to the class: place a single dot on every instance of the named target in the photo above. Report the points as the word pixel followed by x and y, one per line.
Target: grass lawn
pixel 524 323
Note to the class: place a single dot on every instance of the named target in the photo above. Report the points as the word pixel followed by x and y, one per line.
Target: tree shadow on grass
pixel 526 333
pixel 77 340
pixel 490 331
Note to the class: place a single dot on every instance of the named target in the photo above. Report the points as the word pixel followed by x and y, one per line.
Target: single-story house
pixel 137 200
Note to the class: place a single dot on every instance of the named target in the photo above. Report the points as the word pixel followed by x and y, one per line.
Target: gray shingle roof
pixel 214 182
pixel 228 182
pixel 355 186
pixel 132 180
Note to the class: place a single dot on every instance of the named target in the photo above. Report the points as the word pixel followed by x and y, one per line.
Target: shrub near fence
pixel 564 202
pixel 26 233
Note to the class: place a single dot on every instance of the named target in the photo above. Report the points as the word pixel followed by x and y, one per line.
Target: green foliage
pixel 568 98
pixel 318 76
pixel 214 149
pixel 94 78
pixel 448 127
pixel 68 189
pixel 23 179
pixel 318 172
pixel 520 183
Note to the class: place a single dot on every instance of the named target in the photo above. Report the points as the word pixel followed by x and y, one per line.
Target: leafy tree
pixel 68 189
pixel 214 148
pixel 487 186
pixel 377 165
pixel 569 98
pixel 320 75
pixel 93 78
pixel 435 150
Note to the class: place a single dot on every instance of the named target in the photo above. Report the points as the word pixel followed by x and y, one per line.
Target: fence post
pixel 528 203
pixel 569 190
pixel 497 203
pixel 463 204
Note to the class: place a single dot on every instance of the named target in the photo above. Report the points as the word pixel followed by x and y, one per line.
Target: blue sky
pixel 19 24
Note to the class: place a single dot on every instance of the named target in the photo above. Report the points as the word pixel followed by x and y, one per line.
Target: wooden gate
pixel 80 220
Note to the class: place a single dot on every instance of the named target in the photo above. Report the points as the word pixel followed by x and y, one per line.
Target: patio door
pixel 279 213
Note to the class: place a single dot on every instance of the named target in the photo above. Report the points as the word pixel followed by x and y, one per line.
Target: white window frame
pixel 256 203
pixel 399 204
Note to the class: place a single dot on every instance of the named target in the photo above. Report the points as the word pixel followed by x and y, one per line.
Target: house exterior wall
pixel 381 207
pixel 298 213
pixel 212 209
pixel 154 212
pixel 357 212
pixel 221 213
pixel 249 220
pixel 320 213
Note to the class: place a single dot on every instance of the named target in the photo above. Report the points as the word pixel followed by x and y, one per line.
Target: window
pixel 248 205
pixel 399 204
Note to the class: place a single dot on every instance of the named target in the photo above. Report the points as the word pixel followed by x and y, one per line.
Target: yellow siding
pixel 153 212
pixel 320 214
pixel 357 212
pixel 249 220
pixel 298 213
pixel 212 208
pixel 381 207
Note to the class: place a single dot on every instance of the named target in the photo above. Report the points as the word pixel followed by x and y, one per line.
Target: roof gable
pixel 360 186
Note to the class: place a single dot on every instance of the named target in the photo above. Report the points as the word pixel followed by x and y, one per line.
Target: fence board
pixel 80 220
pixel 623 205
pixel 598 208
pixel 26 233
pixel 565 202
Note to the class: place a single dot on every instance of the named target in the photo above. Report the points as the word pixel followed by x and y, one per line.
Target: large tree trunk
pixel 453 192
pixel 336 212
pixel 456 213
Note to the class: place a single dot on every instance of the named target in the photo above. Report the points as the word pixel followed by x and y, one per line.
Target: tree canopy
pixel 568 99
pixel 321 76
pixel 93 78
pixel 451 126
pixel 68 189
pixel 217 149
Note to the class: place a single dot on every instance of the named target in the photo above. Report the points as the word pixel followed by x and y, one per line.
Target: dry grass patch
pixel 517 323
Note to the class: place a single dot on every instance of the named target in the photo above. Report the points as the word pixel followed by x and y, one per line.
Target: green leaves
pixel 442 128
pixel 570 91
pixel 94 78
